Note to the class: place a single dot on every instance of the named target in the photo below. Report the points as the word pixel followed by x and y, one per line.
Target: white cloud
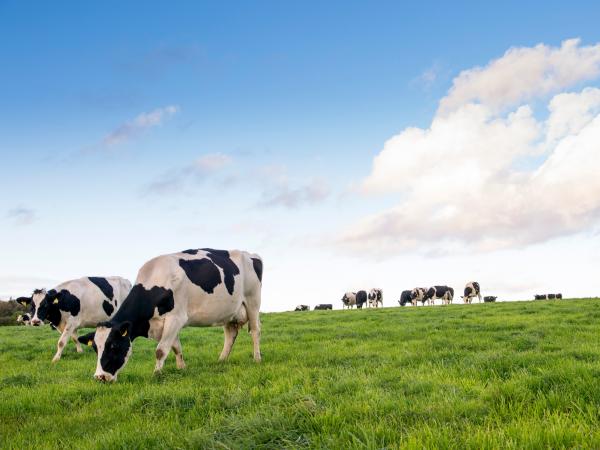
pixel 211 162
pixel 21 216
pixel 484 178
pixel 143 121
pixel 523 73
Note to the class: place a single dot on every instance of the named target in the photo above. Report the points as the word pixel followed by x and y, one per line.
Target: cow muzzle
pixel 36 322
pixel 105 377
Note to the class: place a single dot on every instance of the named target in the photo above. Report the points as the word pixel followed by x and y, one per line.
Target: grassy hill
pixel 506 375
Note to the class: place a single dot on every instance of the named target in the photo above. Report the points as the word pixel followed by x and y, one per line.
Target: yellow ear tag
pixel 124 333
pixel 55 301
pixel 90 342
pixel 23 303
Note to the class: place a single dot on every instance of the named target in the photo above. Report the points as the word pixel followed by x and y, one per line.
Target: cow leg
pixel 77 344
pixel 67 332
pixel 231 332
pixel 170 334
pixel 176 347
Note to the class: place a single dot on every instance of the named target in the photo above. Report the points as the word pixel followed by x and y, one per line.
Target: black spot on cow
pixel 222 259
pixel 68 302
pixel 468 291
pixel 139 307
pixel 258 268
pixel 107 307
pixel 191 251
pixel 202 272
pixel 103 285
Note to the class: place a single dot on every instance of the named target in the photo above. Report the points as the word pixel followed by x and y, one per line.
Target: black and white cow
pixel 405 297
pixel 74 304
pixel 472 289
pixel 418 295
pixel 199 287
pixel 349 300
pixel 323 306
pixel 375 297
pixel 25 319
pixel 302 308
pixel 445 293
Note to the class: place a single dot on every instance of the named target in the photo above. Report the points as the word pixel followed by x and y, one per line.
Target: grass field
pixel 505 375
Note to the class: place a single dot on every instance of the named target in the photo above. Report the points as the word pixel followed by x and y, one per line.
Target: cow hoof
pixel 55 359
pixel 180 365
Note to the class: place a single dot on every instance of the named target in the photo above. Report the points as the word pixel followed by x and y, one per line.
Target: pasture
pixel 506 375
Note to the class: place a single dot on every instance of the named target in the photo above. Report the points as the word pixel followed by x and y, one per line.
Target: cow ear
pixel 124 329
pixel 87 339
pixel 25 301
pixel 53 297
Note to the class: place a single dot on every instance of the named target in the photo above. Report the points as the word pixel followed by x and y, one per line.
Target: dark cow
pixel 472 289
pixel 361 299
pixel 540 296
pixel 74 304
pixel 375 298
pixel 489 298
pixel 197 287
pixel 405 298
pixel 323 306
pixel 302 308
pixel 559 296
pixel 445 293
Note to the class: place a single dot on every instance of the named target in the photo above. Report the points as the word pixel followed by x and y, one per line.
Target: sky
pixel 351 144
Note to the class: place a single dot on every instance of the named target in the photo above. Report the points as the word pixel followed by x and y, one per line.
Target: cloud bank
pixel 488 173
pixel 143 121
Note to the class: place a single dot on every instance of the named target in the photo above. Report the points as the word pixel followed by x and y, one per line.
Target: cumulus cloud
pixel 202 168
pixel 21 216
pixel 487 174
pixel 143 121
pixel 523 73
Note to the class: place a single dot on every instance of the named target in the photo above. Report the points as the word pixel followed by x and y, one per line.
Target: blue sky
pixel 128 131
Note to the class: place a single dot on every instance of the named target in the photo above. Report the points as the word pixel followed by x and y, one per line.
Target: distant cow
pixel 405 298
pixel 361 299
pixel 559 296
pixel 375 297
pixel 323 306
pixel 25 319
pixel 445 293
pixel 489 298
pixel 472 289
pixel 74 304
pixel 540 296
pixel 302 308
pixel 349 300
pixel 418 295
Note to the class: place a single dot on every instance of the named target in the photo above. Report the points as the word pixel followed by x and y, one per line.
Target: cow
pixel 349 300
pixel 25 319
pixel 405 298
pixel 418 294
pixel 323 306
pixel 559 296
pixel 375 297
pixel 302 308
pixel 74 304
pixel 361 299
pixel 195 287
pixel 442 292
pixel 540 297
pixel 472 289
pixel 489 298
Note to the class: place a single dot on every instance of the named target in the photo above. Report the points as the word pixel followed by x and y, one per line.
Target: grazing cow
pixel 559 296
pixel 349 300
pixel 323 306
pixel 405 298
pixel 489 298
pixel 361 299
pixel 25 319
pixel 302 308
pixel 472 289
pixel 418 294
pixel 540 296
pixel 375 297
pixel 197 287
pixel 74 304
pixel 445 293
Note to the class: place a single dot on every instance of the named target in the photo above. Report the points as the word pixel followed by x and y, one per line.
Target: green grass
pixel 505 375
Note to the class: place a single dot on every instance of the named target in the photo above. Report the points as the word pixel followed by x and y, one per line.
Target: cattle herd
pixel 374 297
pixel 196 287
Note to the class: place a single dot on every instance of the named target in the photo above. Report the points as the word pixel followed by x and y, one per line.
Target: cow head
pixel 44 305
pixel 112 343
